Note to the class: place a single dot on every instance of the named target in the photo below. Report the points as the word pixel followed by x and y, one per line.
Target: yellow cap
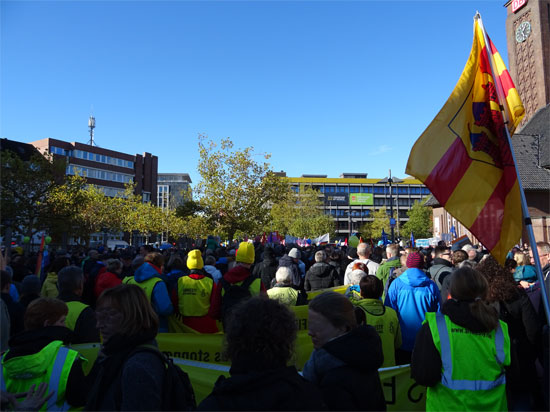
pixel 194 259
pixel 245 253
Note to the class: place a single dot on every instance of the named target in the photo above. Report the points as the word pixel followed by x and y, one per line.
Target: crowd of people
pixel 473 331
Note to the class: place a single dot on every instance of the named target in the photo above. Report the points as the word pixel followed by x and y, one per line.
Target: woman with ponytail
pixel 461 353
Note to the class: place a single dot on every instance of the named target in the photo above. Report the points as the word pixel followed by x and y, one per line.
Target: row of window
pixel 369 189
pixel 94 157
pixel 99 174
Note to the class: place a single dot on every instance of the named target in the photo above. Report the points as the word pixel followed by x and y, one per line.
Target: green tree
pixel 25 187
pixel 235 190
pixel 80 209
pixel 301 215
pixel 373 229
pixel 420 221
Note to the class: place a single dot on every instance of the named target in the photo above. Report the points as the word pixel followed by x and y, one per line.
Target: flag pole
pixel 526 217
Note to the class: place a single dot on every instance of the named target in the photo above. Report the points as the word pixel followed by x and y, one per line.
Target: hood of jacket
pixel 145 272
pixel 237 274
pixel 459 312
pixel 33 341
pixel 393 262
pixel 372 306
pixel 415 277
pixel 442 262
pixel 360 349
pixel 213 270
pixel 320 269
pixel 257 389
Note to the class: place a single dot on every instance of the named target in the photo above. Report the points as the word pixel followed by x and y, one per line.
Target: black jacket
pixel 280 389
pixel 266 269
pixel 346 371
pixel 16 311
pixel 33 341
pixel 321 276
pixel 124 379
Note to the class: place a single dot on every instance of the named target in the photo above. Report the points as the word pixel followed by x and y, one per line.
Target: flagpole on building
pixel 526 217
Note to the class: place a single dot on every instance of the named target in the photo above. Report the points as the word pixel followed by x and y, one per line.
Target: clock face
pixel 523 31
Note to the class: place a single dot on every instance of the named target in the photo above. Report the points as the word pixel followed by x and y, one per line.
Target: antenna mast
pixel 91 125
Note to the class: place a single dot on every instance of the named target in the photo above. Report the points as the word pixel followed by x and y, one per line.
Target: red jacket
pixel 104 281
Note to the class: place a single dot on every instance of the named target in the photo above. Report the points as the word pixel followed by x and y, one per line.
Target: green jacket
pixel 383 271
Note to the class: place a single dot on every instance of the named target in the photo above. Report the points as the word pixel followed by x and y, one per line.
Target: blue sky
pixel 324 86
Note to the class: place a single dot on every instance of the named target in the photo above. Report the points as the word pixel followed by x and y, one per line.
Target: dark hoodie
pixel 321 276
pixel 279 389
pixel 266 270
pixel 346 371
pixel 238 274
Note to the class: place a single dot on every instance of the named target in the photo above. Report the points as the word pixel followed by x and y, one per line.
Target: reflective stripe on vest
pixel 75 309
pixel 55 378
pixel 447 361
pixel 53 381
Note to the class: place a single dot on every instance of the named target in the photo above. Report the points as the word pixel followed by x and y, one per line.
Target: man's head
pixel 320 256
pixel 70 279
pixel 459 256
pixel 543 249
pixel 283 275
pixel 471 251
pixel 363 251
pixel 443 252
pixel 144 250
pixel 392 250
pixel 371 287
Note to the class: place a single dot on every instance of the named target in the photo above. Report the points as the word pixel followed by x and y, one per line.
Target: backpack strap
pixel 248 282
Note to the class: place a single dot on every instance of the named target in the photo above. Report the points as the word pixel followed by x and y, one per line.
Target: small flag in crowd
pixel 412 239
pixel 464 157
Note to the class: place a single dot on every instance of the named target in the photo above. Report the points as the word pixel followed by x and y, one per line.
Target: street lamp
pixel 389 180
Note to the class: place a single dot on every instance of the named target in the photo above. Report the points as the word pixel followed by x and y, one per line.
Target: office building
pixel 352 198
pixel 172 189
pixel 107 169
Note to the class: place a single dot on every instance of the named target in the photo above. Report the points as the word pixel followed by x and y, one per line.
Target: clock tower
pixel 528 38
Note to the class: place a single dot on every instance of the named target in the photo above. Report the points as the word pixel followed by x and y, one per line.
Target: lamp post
pixel 392 222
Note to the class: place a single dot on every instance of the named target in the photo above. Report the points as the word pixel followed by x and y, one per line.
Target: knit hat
pixel 415 260
pixel 245 253
pixel 294 253
pixel 194 259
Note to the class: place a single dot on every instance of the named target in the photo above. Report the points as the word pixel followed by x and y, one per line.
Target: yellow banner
pixel 201 357
pixel 337 289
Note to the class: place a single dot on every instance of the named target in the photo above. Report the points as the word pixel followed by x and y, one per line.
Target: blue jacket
pixel 411 295
pixel 159 299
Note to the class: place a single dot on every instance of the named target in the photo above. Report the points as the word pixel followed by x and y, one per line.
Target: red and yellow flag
pixel 464 158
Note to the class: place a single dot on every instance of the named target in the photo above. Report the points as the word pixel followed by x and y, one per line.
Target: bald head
pixel 363 251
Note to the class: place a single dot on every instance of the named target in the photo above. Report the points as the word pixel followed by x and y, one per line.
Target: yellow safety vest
pixel 472 375
pixel 75 309
pixel 194 295
pixel 51 365
pixel 147 285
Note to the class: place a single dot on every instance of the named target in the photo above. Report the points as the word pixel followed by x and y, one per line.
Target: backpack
pixel 391 278
pixel 177 391
pixel 234 294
